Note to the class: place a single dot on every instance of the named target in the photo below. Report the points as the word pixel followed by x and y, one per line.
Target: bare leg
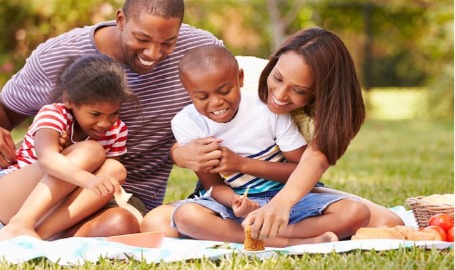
pixel 159 219
pixel 82 204
pixel 380 215
pixel 201 223
pixel 49 191
pixel 106 222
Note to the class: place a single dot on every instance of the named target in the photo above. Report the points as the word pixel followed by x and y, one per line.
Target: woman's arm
pixel 273 218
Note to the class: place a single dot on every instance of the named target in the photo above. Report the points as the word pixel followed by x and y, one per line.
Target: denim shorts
pixel 313 204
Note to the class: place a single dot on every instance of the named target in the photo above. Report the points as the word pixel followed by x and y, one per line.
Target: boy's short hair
pixel 206 57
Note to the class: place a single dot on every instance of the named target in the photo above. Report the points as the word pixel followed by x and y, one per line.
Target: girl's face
pixel 216 93
pixel 93 120
pixel 290 84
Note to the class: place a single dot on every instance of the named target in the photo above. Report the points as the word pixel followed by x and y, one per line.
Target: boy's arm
pixel 275 171
pixel 221 192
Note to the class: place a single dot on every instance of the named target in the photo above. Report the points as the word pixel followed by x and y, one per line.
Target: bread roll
pixel 251 244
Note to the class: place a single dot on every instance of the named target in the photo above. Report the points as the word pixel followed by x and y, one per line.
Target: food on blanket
pixel 377 233
pixel 439 199
pixel 398 232
pixel 439 232
pixel 442 220
pixel 450 235
pixel 251 244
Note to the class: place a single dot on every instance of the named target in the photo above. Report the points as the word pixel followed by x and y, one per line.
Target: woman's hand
pixel 242 206
pixel 268 221
pixel 200 155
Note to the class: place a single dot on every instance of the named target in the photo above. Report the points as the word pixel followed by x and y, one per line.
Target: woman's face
pixel 290 84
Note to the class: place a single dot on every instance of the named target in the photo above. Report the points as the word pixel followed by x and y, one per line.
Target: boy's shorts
pixel 313 204
pixel 134 201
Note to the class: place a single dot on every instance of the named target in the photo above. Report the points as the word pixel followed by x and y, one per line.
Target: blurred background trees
pixel 394 43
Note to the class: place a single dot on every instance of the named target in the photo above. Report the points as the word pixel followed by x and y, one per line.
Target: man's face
pixel 147 39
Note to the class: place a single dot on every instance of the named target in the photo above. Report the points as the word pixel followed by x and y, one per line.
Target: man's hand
pixel 200 155
pixel 7 149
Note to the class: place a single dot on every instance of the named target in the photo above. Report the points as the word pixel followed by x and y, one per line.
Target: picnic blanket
pixel 79 250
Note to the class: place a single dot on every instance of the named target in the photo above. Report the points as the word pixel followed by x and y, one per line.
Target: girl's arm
pixel 275 171
pixel 273 218
pixel 54 163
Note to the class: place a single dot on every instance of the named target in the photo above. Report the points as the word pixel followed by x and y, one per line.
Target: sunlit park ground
pixel 396 155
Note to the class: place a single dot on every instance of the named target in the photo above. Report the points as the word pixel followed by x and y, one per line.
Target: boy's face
pixel 215 93
pixel 147 39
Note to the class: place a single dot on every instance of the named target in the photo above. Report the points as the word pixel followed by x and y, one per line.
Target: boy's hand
pixel 230 162
pixel 242 206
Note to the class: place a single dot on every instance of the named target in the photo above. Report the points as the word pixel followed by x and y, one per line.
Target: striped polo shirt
pixel 160 93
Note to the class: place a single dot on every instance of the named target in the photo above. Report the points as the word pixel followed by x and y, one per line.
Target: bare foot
pixel 11 231
pixel 326 237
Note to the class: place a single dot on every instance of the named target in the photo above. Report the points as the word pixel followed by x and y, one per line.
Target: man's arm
pixel 8 121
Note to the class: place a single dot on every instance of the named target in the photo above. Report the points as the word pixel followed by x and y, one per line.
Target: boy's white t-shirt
pixel 254 132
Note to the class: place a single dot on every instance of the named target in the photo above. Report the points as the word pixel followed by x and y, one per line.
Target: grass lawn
pixel 387 162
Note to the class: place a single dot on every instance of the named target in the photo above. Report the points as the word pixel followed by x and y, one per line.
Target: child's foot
pixel 326 237
pixel 10 231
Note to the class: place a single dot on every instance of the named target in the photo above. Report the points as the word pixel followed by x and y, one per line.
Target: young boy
pixel 255 144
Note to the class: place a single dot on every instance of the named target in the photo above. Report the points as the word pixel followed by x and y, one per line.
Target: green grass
pixel 387 162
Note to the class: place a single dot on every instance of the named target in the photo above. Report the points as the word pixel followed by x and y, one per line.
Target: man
pixel 148 38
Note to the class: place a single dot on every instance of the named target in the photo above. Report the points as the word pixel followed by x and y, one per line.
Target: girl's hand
pixel 104 185
pixel 242 206
pixel 230 162
pixel 268 221
pixel 63 141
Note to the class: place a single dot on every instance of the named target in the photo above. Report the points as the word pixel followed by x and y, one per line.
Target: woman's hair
pixel 93 79
pixel 337 108
pixel 162 8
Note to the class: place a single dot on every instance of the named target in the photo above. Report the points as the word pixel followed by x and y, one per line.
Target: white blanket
pixel 78 250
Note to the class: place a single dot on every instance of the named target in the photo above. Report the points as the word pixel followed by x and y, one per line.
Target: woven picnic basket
pixel 423 209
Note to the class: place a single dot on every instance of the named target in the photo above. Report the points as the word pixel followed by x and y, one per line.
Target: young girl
pixel 46 179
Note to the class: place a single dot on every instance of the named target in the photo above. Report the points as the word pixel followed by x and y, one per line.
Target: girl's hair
pixel 161 8
pixel 337 108
pixel 93 79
